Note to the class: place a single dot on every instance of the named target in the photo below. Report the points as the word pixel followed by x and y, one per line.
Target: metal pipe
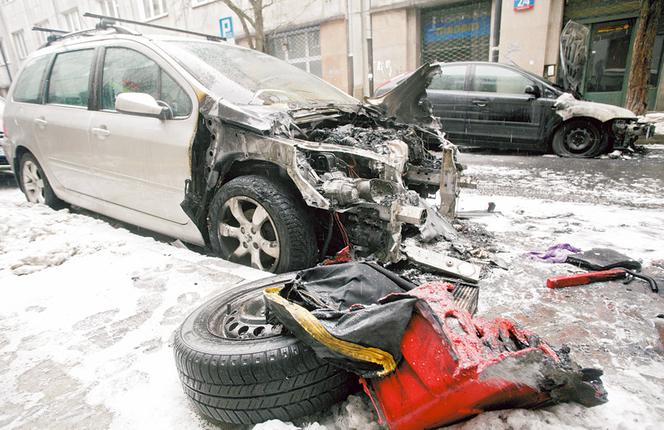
pixel 4 60
pixel 349 49
pixel 495 31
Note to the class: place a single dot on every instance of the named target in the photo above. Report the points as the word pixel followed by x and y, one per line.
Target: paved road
pixel 635 182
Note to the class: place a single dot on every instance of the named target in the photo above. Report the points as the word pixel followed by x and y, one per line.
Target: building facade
pixel 358 44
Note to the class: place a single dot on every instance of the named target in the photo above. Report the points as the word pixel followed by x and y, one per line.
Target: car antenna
pixel 109 20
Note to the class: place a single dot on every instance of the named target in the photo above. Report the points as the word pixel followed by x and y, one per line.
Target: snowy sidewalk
pixel 88 310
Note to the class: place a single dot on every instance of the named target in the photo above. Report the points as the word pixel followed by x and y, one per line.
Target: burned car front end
pixel 361 169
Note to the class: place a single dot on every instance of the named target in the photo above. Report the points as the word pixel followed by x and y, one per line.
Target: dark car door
pixel 449 100
pixel 501 114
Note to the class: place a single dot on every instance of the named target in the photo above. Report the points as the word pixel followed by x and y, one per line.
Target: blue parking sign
pixel 226 27
pixel 524 4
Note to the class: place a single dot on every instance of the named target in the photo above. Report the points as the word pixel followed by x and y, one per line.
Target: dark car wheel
pixel 34 183
pixel 578 138
pixel 237 368
pixel 258 222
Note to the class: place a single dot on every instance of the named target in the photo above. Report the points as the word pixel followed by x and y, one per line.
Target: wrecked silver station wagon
pixel 227 147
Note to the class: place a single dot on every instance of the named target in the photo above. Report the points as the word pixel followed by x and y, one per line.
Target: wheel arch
pixel 600 125
pixel 231 167
pixel 18 155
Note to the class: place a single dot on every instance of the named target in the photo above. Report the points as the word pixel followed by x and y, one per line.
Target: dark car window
pixel 494 79
pixel 451 78
pixel 69 80
pixel 28 85
pixel 126 70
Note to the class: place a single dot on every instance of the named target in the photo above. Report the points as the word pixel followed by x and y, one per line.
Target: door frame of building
pixel 652 92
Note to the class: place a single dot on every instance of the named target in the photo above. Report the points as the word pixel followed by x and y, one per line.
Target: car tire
pixel 259 222
pixel 235 376
pixel 34 183
pixel 578 138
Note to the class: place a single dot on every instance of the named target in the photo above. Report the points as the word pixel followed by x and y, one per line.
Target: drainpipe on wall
pixel 495 31
pixel 366 18
pixel 349 50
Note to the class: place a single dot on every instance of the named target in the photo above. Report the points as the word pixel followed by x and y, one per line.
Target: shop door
pixel 608 61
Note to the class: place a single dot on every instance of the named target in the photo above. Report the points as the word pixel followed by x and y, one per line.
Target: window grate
pixel 300 48
pixel 460 32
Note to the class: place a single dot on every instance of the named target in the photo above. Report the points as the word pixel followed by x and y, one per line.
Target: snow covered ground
pixel 88 308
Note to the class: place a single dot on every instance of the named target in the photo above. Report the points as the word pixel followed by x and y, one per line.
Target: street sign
pixel 524 4
pixel 226 27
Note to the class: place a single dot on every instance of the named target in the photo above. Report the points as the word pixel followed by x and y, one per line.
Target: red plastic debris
pixel 455 366
pixel 343 256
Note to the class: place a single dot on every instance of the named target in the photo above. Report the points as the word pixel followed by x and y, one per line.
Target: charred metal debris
pixel 363 170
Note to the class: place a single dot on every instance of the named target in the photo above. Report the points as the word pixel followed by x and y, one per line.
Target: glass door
pixel 608 63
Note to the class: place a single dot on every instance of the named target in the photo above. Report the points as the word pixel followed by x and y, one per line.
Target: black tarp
pixel 361 303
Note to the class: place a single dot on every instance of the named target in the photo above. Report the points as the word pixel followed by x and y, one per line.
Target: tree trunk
pixel 259 33
pixel 639 74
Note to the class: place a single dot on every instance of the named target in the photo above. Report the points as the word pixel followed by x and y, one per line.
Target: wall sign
pixel 524 4
pixel 226 27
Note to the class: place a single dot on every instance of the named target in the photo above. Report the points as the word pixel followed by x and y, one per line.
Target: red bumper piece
pixel 455 366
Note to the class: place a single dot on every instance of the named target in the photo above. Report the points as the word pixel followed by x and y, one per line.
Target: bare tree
pixel 251 19
pixel 639 75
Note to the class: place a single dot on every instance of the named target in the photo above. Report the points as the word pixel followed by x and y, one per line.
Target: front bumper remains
pixel 455 367
pixel 625 132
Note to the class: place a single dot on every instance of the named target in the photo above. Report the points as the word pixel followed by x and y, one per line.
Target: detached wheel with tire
pixel 578 138
pixel 259 222
pixel 34 183
pixel 237 368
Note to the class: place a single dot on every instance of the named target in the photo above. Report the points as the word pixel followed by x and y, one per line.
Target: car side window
pixel 126 70
pixel 28 85
pixel 492 79
pixel 451 78
pixel 70 76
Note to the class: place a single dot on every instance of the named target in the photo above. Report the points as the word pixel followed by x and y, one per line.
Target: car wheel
pixel 34 183
pixel 237 368
pixel 578 138
pixel 257 222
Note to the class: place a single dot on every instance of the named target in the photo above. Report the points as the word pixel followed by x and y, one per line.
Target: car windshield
pixel 243 76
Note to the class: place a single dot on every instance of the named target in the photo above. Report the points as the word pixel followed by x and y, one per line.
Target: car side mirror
pixel 142 104
pixel 533 91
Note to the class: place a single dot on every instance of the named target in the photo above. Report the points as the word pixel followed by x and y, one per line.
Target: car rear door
pixel 449 100
pixel 501 114
pixel 61 125
pixel 142 162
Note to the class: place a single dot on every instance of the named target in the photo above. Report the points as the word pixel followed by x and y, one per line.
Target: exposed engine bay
pixel 367 165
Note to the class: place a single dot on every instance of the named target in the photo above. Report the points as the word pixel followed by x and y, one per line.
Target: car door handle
pixel 480 103
pixel 40 122
pixel 100 132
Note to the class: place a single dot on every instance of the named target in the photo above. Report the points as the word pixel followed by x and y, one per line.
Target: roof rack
pixel 109 21
pixel 55 33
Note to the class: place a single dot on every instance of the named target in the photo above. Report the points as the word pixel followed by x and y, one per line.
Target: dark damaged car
pixel 223 146
pixel 500 106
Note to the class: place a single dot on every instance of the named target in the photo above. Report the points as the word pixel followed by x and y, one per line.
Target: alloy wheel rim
pixel 580 140
pixel 247 234
pixel 33 183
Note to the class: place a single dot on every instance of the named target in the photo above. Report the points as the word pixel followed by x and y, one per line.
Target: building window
pixel 195 3
pixel 19 44
pixel 109 8
pixel 41 35
pixel 300 48
pixel 153 9
pixel 72 20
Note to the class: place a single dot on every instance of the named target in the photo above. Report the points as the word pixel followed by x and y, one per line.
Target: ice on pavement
pixel 88 309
